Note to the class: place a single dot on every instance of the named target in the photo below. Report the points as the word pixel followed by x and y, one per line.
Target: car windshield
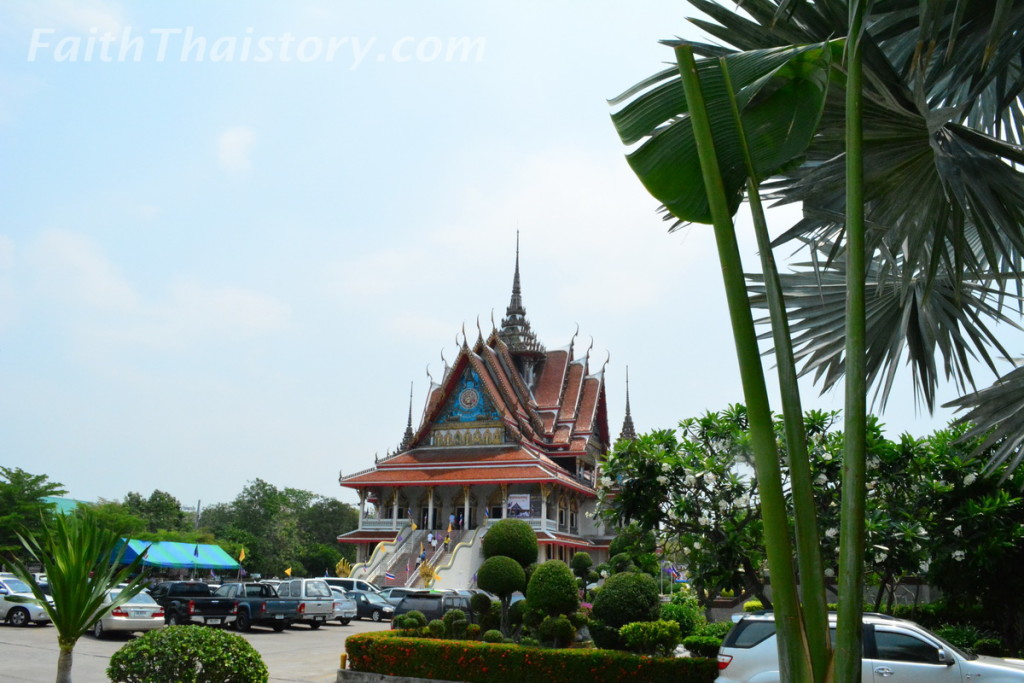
pixel 373 597
pixel 17 586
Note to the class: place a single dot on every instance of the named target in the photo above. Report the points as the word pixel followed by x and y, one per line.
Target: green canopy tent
pixel 171 555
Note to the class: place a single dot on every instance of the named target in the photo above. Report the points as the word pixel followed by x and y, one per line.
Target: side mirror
pixel 3 591
pixel 946 658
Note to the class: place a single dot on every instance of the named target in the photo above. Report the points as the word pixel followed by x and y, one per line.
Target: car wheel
pixel 97 630
pixel 19 616
pixel 314 625
pixel 376 615
pixel 280 626
pixel 344 622
pixel 173 620
pixel 242 623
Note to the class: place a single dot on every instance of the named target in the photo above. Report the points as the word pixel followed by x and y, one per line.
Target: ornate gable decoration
pixel 468 417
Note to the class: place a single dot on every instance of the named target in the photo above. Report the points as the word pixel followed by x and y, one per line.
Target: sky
pixel 234 233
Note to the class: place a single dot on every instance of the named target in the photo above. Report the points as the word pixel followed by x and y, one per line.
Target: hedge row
pixel 474 662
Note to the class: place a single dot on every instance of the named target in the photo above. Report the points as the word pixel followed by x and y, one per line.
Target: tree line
pixel 277 528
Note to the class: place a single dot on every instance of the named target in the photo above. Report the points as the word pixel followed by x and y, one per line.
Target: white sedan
pixel 140 613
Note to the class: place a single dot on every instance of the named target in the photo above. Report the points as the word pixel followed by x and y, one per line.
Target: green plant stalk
pixel 851 525
pixel 808 544
pixel 794 661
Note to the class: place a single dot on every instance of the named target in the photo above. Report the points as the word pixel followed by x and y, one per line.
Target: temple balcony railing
pixel 386 524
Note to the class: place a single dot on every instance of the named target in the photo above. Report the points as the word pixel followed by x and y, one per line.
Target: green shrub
pixel 511 538
pixel 690 617
pixel 390 653
pixel 491 618
pixel 480 603
pixel 436 628
pixel 626 598
pixel 581 563
pixel 187 654
pixel 604 636
pixel 715 629
pixel 411 620
pixel 753 606
pixel 702 646
pixel 578 619
pixel 622 563
pixel 964 636
pixel 527 641
pixel 552 589
pixel 493 636
pixel 992 647
pixel 455 623
pixel 651 637
pixel 515 612
pixel 501 575
pixel 557 631
pixel 473 632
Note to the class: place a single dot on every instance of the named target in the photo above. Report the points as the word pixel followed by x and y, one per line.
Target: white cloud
pixel 70 267
pixel 379 274
pixel 234 146
pixel 91 18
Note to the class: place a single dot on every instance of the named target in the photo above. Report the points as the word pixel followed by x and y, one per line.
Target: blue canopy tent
pixel 171 555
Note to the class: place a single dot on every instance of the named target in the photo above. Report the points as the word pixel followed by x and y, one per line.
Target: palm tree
pixel 902 170
pixel 82 562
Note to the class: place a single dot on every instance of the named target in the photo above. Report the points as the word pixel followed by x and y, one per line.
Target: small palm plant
pixel 82 561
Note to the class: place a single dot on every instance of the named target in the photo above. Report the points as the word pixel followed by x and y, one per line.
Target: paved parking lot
pixel 295 654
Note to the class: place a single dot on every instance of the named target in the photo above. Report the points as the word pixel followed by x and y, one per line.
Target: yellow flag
pixel 449 527
pixel 436 577
pixel 288 571
pixel 241 555
pixel 414 527
pixel 421 546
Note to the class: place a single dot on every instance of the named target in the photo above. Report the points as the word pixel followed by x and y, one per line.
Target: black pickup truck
pixel 259 605
pixel 192 602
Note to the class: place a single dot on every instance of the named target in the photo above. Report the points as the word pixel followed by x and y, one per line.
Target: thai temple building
pixel 513 429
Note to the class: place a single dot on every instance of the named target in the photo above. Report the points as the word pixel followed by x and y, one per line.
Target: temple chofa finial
pixel 628 431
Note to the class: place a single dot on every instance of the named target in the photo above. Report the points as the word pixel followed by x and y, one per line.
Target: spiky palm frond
pixel 909 319
pixel 996 414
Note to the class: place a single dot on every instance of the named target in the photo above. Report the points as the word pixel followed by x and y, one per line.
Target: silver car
pixel 20 613
pixel 344 606
pixel 140 613
pixel 894 649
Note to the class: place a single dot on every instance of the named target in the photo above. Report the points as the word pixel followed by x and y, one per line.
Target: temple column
pixel 545 491
pixel 394 509
pixel 430 508
pixel 362 507
pixel 504 501
pixel 465 507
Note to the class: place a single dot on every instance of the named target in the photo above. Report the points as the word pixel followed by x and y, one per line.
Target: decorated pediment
pixel 468 416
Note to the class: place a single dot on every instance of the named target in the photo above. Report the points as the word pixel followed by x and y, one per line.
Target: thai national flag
pixel 389 575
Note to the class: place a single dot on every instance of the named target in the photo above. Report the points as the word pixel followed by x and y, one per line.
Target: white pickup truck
pixel 316 604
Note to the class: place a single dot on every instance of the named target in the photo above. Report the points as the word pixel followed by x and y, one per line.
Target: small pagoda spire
pixel 515 328
pixel 628 431
pixel 408 437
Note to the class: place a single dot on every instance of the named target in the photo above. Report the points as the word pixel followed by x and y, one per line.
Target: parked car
pixel 344 606
pixel 371 606
pixel 434 604
pixel 20 613
pixel 140 613
pixel 395 594
pixel 893 648
pixel 192 602
pixel 316 602
pixel 352 585
pixel 258 604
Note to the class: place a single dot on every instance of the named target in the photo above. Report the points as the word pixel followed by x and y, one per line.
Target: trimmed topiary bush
pixel 512 538
pixel 689 618
pixel 188 654
pixel 702 646
pixel 436 628
pixel 493 636
pixel 411 620
pixel 552 589
pixel 503 576
pixel 626 598
pixel 455 623
pixel 753 606
pixel 651 637
pixel 480 603
pixel 557 631
pixel 473 632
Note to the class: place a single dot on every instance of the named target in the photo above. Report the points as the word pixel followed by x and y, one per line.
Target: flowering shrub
pixel 392 654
